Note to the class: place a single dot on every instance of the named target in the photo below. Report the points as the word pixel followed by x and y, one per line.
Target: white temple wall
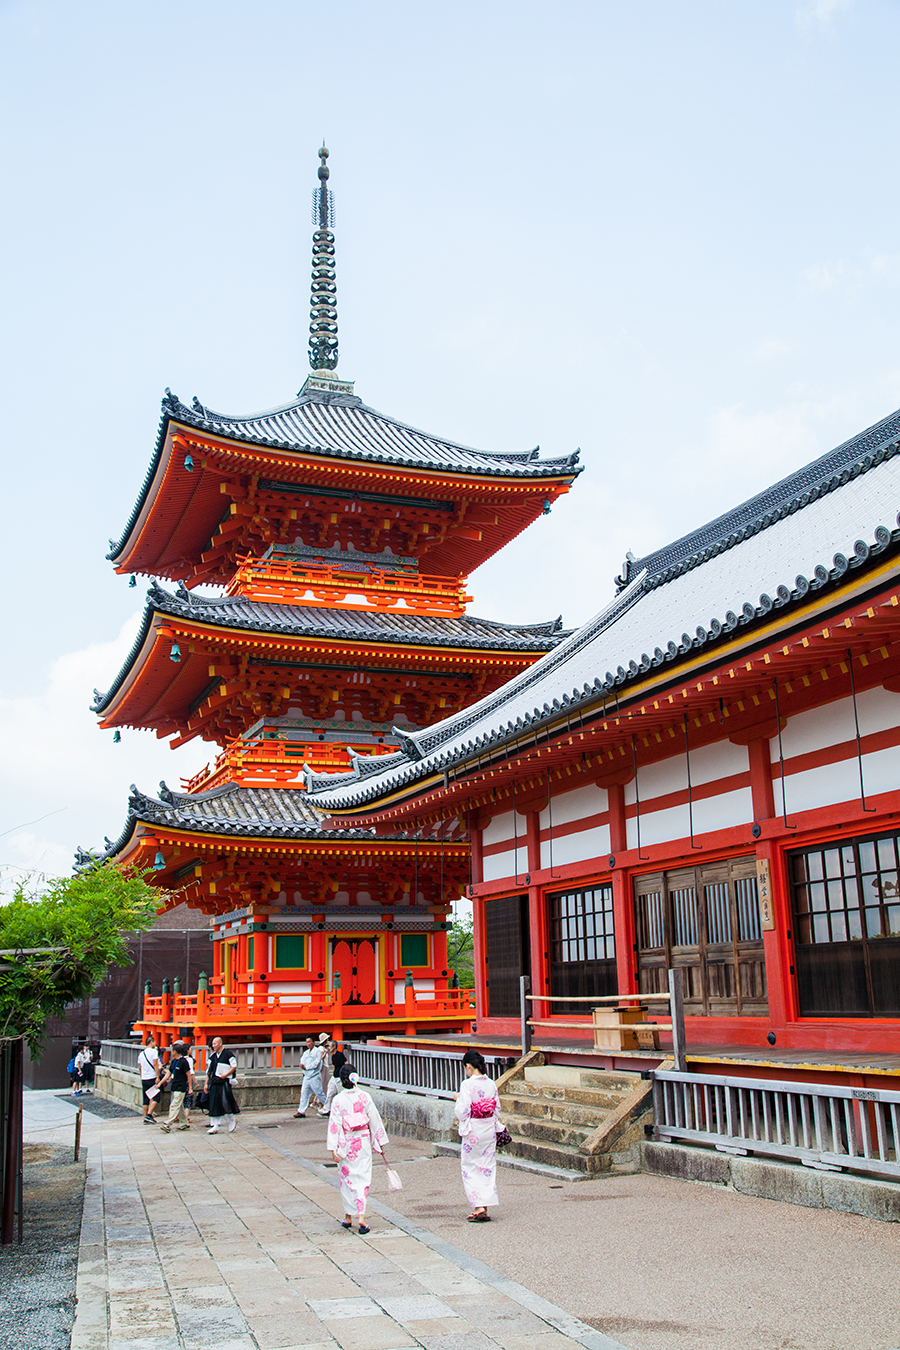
pixel 709 763
pixel 831 784
pixel 582 846
pixel 585 801
pixel 498 865
pixel 819 728
pixel 499 830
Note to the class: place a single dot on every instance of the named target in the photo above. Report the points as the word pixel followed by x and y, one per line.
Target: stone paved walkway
pixel 233 1243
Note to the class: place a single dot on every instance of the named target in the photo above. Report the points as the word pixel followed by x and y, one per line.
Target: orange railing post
pixel 409 1000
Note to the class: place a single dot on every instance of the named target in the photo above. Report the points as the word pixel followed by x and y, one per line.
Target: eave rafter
pixel 235 498
pixel 223 680
pixel 215 874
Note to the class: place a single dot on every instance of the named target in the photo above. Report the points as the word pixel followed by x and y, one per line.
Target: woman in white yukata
pixel 354 1126
pixel 477 1108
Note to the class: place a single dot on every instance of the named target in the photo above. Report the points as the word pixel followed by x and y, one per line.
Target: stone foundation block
pixel 866 1196
pixel 790 1182
pixel 688 1164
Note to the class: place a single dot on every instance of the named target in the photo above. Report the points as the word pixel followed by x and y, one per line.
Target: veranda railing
pixel 824 1126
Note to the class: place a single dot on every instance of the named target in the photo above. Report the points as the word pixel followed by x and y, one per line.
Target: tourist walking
pixel 149 1071
pixel 338 1060
pixel 311 1061
pixel 182 1079
pixel 354 1127
pixel 476 1111
pixel 219 1078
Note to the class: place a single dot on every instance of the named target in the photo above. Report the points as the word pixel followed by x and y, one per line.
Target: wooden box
pixel 612 1027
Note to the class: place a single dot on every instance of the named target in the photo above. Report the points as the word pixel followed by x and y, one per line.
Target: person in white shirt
pixel 149 1069
pixel 84 1063
pixel 311 1060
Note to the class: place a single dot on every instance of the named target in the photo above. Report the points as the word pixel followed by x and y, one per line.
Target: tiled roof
pixel 394 629
pixel 341 426
pixel 813 528
pixel 822 476
pixel 245 812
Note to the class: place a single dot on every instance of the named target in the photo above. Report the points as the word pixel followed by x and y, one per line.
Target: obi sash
pixel 482 1108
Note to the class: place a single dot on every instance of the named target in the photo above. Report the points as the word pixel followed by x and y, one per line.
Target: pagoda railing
pixel 209 1008
pixel 276 761
pixel 294 582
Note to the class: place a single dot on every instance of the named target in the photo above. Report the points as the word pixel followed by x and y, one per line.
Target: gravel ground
pixel 98 1106
pixel 37 1280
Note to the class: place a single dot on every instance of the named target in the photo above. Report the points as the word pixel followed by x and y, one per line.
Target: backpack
pixel 71 1067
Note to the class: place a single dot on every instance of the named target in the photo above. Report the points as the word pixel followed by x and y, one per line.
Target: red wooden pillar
pixel 537 915
pixel 623 909
pixel 481 999
pixel 777 945
pixel 477 847
pixel 275 1037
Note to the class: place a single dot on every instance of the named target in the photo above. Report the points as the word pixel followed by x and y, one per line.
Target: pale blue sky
pixel 668 233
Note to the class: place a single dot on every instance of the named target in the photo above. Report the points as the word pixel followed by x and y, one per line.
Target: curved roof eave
pixel 521 464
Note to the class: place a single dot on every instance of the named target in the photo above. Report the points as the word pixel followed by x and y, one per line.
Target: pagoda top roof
pixel 387 629
pixel 339 426
pixel 769 556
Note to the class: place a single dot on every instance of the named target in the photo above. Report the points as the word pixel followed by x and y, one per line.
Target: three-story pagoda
pixel 340 542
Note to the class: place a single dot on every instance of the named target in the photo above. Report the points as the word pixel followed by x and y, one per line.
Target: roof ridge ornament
pixel 323 338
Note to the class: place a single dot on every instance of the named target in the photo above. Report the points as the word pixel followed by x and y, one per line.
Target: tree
pixel 55 946
pixel 461 950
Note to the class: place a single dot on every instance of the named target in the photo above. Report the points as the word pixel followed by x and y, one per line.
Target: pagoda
pixel 337 544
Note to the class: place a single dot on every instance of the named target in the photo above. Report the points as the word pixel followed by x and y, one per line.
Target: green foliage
pixel 79 926
pixel 461 950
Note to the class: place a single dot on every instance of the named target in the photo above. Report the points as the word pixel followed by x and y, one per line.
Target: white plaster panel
pixel 878 709
pixel 710 813
pixel 815 730
pixel 830 784
pixel 424 986
pixel 585 846
pixel 499 830
pixel 291 991
pixel 588 800
pixel 498 865
pixel 709 763
pixel 658 826
pixel 719 760
pixel 723 811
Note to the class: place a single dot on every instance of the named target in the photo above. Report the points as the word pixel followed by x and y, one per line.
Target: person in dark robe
pixel 219 1074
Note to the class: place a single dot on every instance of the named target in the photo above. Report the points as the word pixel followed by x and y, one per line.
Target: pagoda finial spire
pixel 323 338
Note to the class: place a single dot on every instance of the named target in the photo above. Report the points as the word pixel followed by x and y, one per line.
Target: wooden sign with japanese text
pixel 764 890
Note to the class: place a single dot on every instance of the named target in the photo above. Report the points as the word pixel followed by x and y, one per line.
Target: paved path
pixel 191 1243
pixel 233 1242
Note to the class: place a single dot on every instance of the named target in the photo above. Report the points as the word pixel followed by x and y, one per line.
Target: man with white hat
pixel 311 1060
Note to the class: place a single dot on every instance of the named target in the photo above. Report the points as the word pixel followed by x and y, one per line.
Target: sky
pixel 664 232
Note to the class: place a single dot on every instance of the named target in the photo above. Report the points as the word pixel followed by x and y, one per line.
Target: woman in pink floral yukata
pixel 354 1126
pixel 477 1108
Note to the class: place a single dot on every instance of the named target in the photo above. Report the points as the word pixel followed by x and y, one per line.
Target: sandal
pixel 481 1216
pixel 363 1229
pixel 345 1224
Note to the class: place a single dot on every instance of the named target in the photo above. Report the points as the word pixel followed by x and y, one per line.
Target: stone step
pixel 554 1155
pixel 574 1076
pixel 601 1099
pixel 546 1131
pixel 551 1108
